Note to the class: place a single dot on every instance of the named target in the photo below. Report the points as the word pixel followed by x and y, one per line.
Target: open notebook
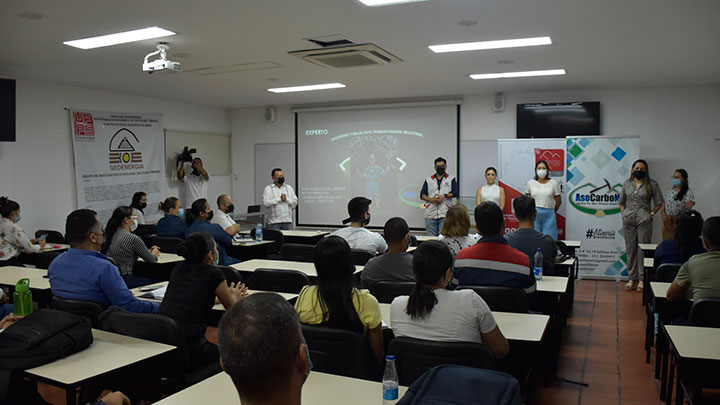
pixel 157 294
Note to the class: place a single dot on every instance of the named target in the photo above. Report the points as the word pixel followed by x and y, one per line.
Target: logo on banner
pixel 596 200
pixel 555 159
pixel 598 233
pixel 124 153
pixel 83 126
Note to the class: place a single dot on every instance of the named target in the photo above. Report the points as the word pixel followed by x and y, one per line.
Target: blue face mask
pixel 676 182
pixel 181 212
pixel 217 259
pixel 17 219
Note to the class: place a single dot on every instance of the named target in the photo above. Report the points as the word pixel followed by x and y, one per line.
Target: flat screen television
pixel 7 110
pixel 558 120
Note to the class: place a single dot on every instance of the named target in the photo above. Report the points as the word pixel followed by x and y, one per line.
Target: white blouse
pixel 490 193
pixel 13 240
pixel 544 194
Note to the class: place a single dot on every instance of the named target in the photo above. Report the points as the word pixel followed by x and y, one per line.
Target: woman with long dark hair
pixel 546 192
pixel 194 286
pixel 432 312
pixel 13 240
pixel 637 193
pixel 685 243
pixel 198 219
pixel 677 198
pixel 491 191
pixel 172 224
pixel 125 247
pixel 334 301
pixel 138 204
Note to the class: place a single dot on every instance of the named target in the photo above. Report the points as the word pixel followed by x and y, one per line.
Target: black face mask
pixel 281 180
pixel 639 174
pixel 210 216
pixel 230 208
pixel 366 220
pixel 143 206
pixel 440 171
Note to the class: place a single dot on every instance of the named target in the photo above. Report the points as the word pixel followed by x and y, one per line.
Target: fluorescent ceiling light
pixel 307 88
pixel 120 38
pixel 552 72
pixel 503 43
pixel 376 3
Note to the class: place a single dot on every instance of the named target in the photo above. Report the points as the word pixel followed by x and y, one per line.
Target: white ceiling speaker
pixel 499 102
pixel 269 114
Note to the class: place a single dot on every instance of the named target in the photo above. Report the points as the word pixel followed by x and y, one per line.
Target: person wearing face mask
pixel 491 191
pixel 172 224
pixel 222 216
pixel 194 286
pixel 83 273
pixel 356 235
pixel 13 240
pixel 197 182
pixel 546 192
pixel 138 204
pixel 125 247
pixel 198 219
pixel 438 191
pixel 279 199
pixel 635 197
pixel 675 200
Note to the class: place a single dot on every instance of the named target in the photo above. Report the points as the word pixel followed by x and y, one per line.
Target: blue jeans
pixel 545 222
pixel 281 226
pixel 6 309
pixel 433 226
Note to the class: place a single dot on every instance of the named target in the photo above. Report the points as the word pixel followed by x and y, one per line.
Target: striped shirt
pixel 125 249
pixel 493 262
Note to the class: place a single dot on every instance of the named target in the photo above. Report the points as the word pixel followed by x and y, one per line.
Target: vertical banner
pixel 116 155
pixel 596 169
pixel 516 166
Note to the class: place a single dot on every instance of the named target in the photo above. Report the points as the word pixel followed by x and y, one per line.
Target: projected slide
pixel 382 154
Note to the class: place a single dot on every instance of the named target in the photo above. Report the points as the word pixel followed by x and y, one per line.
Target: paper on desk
pixel 156 294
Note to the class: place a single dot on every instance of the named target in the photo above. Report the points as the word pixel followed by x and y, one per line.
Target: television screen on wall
pixel 7 110
pixel 558 120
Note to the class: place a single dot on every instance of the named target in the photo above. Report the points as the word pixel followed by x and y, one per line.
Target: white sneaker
pixel 631 285
pixel 639 286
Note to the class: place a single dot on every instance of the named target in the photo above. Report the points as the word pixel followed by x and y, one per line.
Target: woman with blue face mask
pixel 195 286
pixel 13 240
pixel 172 224
pixel 676 199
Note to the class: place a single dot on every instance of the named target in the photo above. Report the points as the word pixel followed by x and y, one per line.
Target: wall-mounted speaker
pixel 499 102
pixel 269 114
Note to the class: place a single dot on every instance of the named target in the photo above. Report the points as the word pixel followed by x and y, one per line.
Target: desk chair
pixel 278 280
pixel 360 257
pixel 298 252
pixel 503 299
pixel 231 275
pixel 275 236
pixel 667 272
pixel 339 351
pixel 88 309
pixel 166 244
pixel 386 291
pixel 52 236
pixel 45 258
pixel 705 312
pixel 415 356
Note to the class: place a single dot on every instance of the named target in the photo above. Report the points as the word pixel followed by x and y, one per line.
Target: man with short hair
pixel 83 273
pixel 492 261
pixel 222 216
pixel 279 199
pixel 700 274
pixel 396 263
pixel 526 239
pixel 263 350
pixel 356 235
pixel 438 192
pixel 196 183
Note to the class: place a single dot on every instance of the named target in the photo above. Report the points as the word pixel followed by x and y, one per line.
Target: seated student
pixel 172 224
pixel 396 264
pixel 526 239
pixel 83 273
pixel 492 261
pixel 686 241
pixel 432 312
pixel 456 228
pixel 138 205
pixel 356 235
pixel 699 277
pixel 263 350
pixel 190 296
pixel 334 301
pixel 125 247
pixel 13 240
pixel 222 216
pixel 198 219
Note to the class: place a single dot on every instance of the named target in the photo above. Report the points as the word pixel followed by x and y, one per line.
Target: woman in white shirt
pixel 456 228
pixel 433 313
pixel 491 191
pixel 546 193
pixel 13 240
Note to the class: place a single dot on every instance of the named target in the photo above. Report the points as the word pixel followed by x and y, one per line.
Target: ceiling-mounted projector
pixel 161 64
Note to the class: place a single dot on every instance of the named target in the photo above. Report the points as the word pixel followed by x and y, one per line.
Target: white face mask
pixel 542 173
pixel 133 226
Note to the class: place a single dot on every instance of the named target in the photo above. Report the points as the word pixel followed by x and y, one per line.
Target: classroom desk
pixel 251 242
pixel 648 248
pixel 425 238
pixel 319 389
pixel 10 275
pixel 648 262
pixel 553 284
pixel 52 247
pixel 304 237
pixel 108 352
pixel 690 345
pixel 307 268
pixel 166 258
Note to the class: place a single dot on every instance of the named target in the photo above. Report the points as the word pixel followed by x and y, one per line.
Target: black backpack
pixel 460 385
pixel 40 338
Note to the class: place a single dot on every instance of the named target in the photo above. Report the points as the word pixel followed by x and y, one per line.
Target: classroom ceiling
pixel 601 44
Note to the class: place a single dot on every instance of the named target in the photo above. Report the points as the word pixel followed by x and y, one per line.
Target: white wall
pixel 677 127
pixel 38 171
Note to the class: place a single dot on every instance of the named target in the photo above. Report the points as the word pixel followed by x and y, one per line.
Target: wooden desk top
pixel 553 284
pixel 693 342
pixel 648 247
pixel 108 352
pixel 307 268
pixel 304 234
pixel 165 258
pixel 251 243
pixel 11 274
pixel 319 389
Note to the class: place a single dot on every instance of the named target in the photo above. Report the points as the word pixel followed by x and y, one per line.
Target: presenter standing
pixel 675 200
pixel 546 192
pixel 280 199
pixel 491 191
pixel 196 183
pixel 438 192
pixel 637 192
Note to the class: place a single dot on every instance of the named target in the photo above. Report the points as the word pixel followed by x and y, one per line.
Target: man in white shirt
pixel 196 183
pixel 222 216
pixel 356 235
pixel 280 199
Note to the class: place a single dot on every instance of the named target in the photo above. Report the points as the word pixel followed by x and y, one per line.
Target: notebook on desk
pixel 157 294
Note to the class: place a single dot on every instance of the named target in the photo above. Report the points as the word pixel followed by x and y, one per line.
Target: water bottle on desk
pixel 390 382
pixel 538 263
pixel 22 298
pixel 259 231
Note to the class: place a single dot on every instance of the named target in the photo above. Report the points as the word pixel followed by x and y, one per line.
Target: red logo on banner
pixel 554 157
pixel 511 222
pixel 83 124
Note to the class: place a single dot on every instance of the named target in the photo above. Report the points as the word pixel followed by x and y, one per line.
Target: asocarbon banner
pixel 596 169
pixel 116 155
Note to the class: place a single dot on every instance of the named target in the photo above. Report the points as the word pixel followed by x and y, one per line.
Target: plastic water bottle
pixel 22 298
pixel 390 382
pixel 259 231
pixel 538 263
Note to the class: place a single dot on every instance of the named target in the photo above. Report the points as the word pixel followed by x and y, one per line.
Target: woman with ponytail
pixel 125 247
pixel 172 224
pixel 432 312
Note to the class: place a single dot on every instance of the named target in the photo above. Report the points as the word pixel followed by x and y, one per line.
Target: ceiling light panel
pixel 505 75
pixel 120 38
pixel 377 3
pixel 311 87
pixel 499 44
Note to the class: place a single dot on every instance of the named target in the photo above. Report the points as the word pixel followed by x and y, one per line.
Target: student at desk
pixel 702 272
pixel 172 224
pixel 13 240
pixel 686 241
pixel 198 219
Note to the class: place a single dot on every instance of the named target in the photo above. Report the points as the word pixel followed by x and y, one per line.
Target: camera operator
pixel 196 183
